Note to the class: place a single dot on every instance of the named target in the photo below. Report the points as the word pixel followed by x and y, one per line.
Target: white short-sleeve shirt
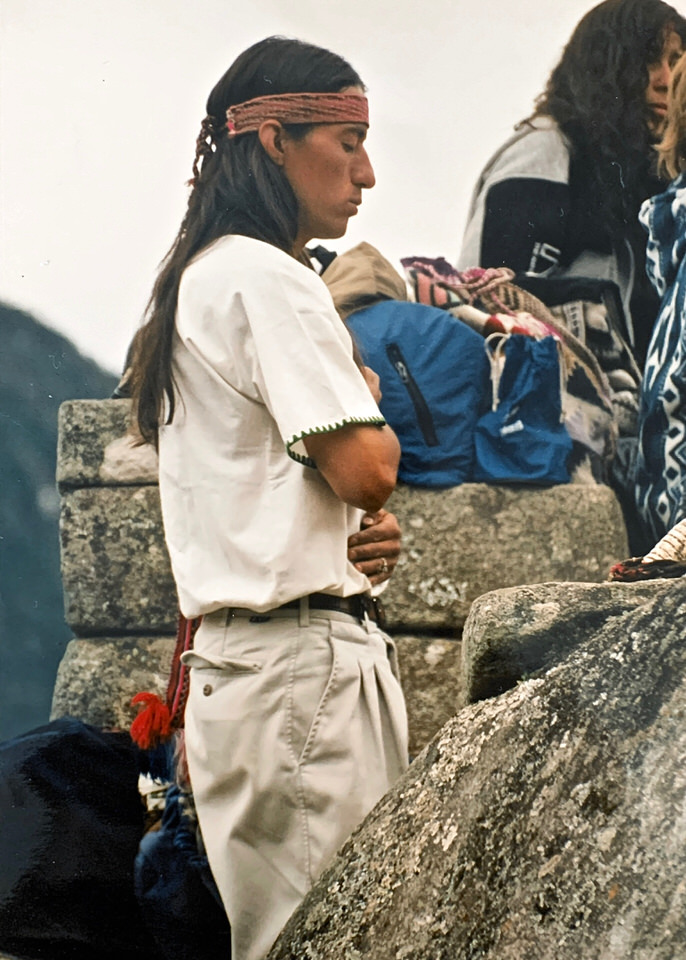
pixel 261 359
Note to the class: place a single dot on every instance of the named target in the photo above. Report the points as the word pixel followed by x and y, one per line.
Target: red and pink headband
pixel 297 108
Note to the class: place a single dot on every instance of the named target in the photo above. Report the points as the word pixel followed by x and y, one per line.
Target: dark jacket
pixel 524 216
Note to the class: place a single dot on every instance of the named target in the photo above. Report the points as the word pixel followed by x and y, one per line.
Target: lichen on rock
pixel 545 823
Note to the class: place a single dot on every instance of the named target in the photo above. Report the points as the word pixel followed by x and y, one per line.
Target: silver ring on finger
pixel 384 566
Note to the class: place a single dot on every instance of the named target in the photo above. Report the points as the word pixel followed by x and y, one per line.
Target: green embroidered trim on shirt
pixel 308 461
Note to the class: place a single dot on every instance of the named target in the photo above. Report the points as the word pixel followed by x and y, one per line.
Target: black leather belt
pixel 359 606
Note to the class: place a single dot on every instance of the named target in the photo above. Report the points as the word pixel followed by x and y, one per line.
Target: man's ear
pixel 272 136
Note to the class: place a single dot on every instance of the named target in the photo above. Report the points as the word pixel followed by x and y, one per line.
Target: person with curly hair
pixel 272 452
pixel 561 197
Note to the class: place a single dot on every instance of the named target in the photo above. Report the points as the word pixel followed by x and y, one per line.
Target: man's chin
pixel 333 233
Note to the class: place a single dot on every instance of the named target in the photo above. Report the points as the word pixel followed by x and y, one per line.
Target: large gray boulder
pixel 512 633
pixel 463 542
pixel 546 823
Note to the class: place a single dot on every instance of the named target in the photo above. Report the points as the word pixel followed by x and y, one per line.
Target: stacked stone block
pixel 459 543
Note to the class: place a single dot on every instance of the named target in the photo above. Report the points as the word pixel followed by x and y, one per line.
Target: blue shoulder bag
pixel 523 438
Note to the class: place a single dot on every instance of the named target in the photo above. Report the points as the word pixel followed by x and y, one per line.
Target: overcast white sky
pixel 101 102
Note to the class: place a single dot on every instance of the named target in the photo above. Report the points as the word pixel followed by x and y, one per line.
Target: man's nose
pixel 363 174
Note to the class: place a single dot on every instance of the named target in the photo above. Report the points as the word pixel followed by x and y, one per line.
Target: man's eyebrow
pixel 358 129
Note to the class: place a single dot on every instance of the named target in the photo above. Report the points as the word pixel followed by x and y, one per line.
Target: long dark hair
pixel 236 189
pixel 597 96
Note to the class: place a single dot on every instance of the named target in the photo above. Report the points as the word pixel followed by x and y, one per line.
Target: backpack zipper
pixel 421 407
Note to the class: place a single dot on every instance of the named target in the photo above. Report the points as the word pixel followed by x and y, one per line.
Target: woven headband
pixel 297 108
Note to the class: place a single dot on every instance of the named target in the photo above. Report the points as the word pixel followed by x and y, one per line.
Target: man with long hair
pixel 271 449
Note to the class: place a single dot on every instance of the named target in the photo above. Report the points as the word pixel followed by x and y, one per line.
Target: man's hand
pixel 375 549
pixel 373 382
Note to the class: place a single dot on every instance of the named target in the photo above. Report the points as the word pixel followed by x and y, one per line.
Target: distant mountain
pixel 39 369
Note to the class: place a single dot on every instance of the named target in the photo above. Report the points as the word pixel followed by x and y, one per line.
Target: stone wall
pixel 459 544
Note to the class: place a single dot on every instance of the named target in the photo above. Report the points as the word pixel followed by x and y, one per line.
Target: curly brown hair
pixel 597 96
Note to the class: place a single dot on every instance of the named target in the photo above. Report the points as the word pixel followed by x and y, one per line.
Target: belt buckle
pixel 373 607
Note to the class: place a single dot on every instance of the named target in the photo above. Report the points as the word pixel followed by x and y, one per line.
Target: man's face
pixel 328 170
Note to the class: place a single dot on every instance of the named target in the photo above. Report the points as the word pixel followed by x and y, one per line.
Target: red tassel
pixel 158 720
pixel 153 723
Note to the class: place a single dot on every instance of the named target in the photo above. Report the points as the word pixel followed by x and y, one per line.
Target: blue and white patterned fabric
pixel 661 463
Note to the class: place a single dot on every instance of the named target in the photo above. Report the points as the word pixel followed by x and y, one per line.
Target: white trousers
pixel 293 733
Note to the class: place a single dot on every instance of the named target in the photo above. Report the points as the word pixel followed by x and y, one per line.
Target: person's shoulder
pixel 537 148
pixel 234 251
pixel 537 135
pixel 542 130
pixel 237 262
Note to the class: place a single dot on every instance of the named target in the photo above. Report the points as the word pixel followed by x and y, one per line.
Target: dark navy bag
pixel 71 820
pixel 523 438
pixel 434 381
pixel 175 889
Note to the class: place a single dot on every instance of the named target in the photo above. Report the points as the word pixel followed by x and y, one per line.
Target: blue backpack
pixel 435 383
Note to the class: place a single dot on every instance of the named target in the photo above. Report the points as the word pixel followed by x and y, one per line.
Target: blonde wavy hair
pixel 672 149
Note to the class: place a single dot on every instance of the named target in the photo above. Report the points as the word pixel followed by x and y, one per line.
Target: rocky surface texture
pixel 121 603
pixel 95 447
pixel 115 566
pixel 460 543
pixel 544 823
pixel 431 675
pixel 513 633
pixel 98 677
